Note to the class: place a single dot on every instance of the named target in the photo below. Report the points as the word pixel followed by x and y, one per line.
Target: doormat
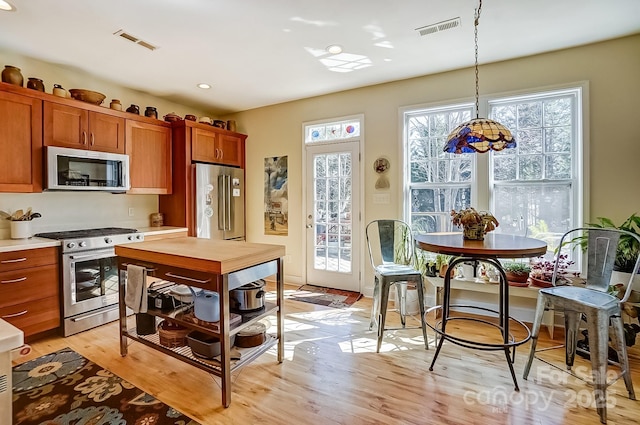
pixel 66 388
pixel 329 297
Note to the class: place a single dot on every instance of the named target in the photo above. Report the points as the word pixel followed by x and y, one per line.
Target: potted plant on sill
pixel 516 271
pixel 541 275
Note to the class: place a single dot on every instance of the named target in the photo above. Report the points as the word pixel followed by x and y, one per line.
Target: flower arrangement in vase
pixel 474 224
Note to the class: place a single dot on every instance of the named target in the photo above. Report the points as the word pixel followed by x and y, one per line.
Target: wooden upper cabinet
pixel 149 150
pixel 78 128
pixel 20 143
pixel 231 150
pixel 203 145
pixel 217 147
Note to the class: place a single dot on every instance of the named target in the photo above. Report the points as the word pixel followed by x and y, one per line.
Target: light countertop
pixel 7 245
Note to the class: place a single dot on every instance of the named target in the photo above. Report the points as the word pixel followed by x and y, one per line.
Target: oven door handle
pixel 79 257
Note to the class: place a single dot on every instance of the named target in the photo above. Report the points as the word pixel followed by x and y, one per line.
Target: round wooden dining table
pixel 489 250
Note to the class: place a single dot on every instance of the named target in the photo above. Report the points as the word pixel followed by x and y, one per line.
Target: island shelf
pixel 213 265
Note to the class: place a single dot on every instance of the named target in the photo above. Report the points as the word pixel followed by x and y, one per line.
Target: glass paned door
pixel 333 211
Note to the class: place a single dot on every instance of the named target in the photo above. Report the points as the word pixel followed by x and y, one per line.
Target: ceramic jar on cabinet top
pixel 12 75
pixel 35 84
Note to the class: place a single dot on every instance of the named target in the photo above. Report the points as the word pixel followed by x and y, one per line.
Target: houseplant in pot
pixel 474 224
pixel 541 274
pixel 516 271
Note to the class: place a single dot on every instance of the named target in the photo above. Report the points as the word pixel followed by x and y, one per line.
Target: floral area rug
pixel 325 296
pixel 66 388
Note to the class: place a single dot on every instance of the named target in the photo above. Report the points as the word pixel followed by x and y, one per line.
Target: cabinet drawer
pixel 35 316
pixel 26 258
pixel 20 286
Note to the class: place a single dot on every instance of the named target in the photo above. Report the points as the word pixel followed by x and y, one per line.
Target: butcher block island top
pixel 204 255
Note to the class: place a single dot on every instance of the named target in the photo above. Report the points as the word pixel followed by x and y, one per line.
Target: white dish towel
pixel 136 289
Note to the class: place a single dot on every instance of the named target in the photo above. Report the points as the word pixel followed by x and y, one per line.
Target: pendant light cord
pixel 477 20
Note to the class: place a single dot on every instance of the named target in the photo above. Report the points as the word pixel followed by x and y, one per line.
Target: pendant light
pixel 479 134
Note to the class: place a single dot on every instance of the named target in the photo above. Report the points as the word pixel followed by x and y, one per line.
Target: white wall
pixel 79 210
pixel 611 69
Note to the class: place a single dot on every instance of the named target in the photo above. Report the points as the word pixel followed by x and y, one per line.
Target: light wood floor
pixel 332 375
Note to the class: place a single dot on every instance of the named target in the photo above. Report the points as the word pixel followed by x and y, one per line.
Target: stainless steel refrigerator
pixel 219 202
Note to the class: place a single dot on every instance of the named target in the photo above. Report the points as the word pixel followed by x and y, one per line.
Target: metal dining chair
pixel 601 310
pixel 391 251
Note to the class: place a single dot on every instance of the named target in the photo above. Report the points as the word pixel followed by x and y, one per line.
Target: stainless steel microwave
pixel 77 169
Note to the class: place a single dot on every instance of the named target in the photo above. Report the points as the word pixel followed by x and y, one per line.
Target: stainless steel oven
pixel 89 275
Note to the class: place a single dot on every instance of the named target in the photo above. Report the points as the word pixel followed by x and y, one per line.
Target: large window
pixel 437 182
pixel 533 190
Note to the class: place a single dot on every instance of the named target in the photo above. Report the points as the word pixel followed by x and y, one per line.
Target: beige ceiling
pixel 261 52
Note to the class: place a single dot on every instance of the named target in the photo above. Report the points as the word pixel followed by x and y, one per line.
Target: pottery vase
pixel 151 112
pixel 35 84
pixel 12 75
pixel 133 109
pixel 231 125
pixel 115 105
pixel 59 91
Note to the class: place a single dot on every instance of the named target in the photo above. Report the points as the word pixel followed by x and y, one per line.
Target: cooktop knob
pixel 82 244
pixel 139 237
pixel 108 240
pixel 71 245
pixel 130 237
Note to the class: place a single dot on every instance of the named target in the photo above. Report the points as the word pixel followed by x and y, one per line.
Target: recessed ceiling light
pixel 334 49
pixel 6 6
pixel 204 86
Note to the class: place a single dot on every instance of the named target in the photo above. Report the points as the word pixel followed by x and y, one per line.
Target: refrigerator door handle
pixel 222 208
pixel 228 202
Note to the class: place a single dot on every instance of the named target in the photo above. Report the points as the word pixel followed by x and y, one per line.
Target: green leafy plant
pixel 469 217
pixel 628 247
pixel 517 268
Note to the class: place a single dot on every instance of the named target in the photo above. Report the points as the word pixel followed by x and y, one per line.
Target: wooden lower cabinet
pixel 30 289
pixel 149 150
pixel 33 317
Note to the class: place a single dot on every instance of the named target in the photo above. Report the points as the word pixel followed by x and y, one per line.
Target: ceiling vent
pixel 134 39
pixel 440 26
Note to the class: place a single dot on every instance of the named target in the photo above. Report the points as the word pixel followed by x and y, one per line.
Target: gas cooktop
pixel 91 239
pixel 86 233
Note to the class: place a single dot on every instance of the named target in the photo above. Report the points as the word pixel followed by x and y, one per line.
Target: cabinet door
pixel 230 150
pixel 106 133
pixel 149 150
pixel 203 146
pixel 20 143
pixel 65 126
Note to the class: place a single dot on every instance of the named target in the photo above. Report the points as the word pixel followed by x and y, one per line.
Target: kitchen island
pixel 213 265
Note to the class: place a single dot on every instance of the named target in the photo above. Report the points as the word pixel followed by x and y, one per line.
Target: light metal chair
pixel 591 301
pixel 391 251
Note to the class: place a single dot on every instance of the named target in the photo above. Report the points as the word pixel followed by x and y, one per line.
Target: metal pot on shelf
pixel 249 297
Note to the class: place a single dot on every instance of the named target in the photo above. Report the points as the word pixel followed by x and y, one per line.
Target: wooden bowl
pixel 87 96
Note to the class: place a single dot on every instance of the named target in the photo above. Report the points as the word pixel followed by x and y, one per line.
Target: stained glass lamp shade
pixel 479 134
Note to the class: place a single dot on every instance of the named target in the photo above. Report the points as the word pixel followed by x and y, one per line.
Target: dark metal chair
pixel 601 310
pixel 391 251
